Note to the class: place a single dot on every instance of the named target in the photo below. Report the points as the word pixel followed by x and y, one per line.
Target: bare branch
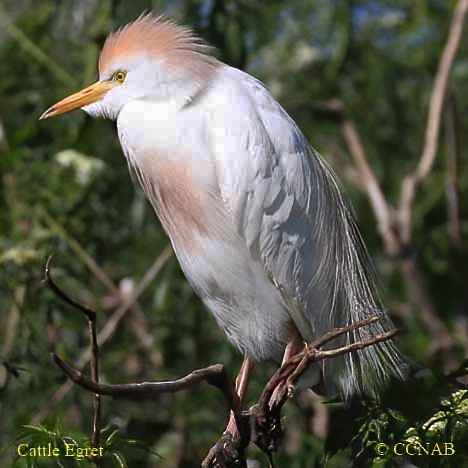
pixel 261 425
pixel 426 161
pixel 89 261
pixel 382 210
pixel 215 375
pixel 438 93
pixel 327 337
pixel 92 317
pixel 90 314
pixel 106 332
pixel 380 206
pixel 264 427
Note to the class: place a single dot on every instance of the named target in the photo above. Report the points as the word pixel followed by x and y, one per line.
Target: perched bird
pixel 257 219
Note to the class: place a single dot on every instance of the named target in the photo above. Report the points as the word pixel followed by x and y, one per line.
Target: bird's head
pixel 151 58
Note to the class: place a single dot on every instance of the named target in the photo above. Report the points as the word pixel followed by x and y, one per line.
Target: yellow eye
pixel 119 76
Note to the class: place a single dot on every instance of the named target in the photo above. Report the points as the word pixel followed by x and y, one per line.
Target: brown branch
pixel 428 155
pixel 106 332
pixel 260 425
pixel 382 210
pixel 438 93
pixel 263 426
pixel 332 334
pixel 214 375
pixel 281 384
pixel 396 233
pixel 92 317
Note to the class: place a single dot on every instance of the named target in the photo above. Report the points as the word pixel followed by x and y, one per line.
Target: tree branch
pixel 438 93
pixel 396 229
pixel 106 332
pixel 263 426
pixel 428 155
pixel 260 425
pixel 91 316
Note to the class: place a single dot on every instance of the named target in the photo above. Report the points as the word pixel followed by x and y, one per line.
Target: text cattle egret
pixel 256 217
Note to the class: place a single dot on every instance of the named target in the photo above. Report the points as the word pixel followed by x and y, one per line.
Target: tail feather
pixel 350 293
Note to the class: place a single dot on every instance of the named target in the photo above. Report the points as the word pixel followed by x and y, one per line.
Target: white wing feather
pixel 294 218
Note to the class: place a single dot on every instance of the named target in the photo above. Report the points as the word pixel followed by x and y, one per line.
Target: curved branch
pixel 438 93
pixel 215 375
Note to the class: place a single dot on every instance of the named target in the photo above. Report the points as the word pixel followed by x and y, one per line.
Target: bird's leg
pixel 242 381
pixel 292 348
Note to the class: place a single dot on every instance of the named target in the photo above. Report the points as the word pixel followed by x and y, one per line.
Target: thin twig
pixel 382 210
pixel 335 109
pixel 89 261
pixel 327 337
pixel 94 347
pixel 90 314
pixel 106 332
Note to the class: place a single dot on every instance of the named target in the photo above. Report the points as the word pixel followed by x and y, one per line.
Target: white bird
pixel 257 219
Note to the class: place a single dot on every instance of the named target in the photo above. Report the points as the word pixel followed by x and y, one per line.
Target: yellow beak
pixel 82 98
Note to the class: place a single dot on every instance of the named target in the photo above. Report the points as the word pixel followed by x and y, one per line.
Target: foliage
pixel 55 448
pixel 65 191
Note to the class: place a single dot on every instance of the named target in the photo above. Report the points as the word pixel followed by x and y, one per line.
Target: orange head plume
pixel 175 55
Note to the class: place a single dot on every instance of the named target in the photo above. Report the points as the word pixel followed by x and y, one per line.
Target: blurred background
pixel 66 192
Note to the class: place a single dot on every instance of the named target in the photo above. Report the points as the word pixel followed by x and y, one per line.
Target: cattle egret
pixel 257 219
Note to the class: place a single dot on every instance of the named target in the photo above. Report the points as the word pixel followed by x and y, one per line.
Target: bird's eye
pixel 119 76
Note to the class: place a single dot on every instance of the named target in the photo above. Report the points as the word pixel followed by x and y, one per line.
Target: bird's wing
pixel 290 210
